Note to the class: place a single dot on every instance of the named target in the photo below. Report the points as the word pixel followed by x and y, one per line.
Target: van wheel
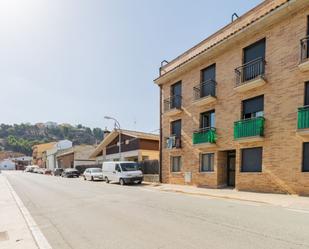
pixel 121 181
pixel 85 178
pixel 92 178
pixel 106 180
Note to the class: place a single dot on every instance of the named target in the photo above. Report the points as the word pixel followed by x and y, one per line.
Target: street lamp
pixel 117 126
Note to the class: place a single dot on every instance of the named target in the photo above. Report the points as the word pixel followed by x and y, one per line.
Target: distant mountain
pixel 21 137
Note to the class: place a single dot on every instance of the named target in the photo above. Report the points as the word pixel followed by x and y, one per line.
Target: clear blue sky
pixel 75 61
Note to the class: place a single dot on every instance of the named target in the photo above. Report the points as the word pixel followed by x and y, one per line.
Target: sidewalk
pixel 286 201
pixel 14 232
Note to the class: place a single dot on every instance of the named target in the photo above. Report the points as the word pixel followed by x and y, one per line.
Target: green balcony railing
pixel 249 127
pixel 303 117
pixel 204 135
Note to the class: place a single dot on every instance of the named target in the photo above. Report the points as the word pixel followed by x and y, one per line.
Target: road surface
pixel 73 213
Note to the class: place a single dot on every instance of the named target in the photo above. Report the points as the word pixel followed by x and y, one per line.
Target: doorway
pixel 231 165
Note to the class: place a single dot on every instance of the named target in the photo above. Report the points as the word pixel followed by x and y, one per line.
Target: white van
pixel 122 172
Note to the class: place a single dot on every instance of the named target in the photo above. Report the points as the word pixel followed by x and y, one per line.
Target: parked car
pixel 47 172
pixel 122 172
pixel 38 170
pixel 93 174
pixel 70 173
pixel 31 168
pixel 58 172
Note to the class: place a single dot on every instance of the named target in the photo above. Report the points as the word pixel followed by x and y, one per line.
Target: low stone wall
pixel 151 178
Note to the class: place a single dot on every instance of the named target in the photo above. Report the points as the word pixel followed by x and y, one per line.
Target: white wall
pixel 51 160
pixel 7 164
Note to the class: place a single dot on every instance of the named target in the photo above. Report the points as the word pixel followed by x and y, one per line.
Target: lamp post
pixel 117 126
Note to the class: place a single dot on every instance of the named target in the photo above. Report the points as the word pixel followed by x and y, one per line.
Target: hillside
pixel 21 137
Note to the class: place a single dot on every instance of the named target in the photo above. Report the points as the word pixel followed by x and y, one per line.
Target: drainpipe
pixel 161 137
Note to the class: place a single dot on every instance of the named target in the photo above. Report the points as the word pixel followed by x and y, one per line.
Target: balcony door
pixel 176 92
pixel 307 36
pixel 207 120
pixel 254 67
pixel 176 128
pixel 252 108
pixel 207 87
pixel 307 93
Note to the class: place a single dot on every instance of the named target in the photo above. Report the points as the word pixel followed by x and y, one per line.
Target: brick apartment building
pixel 233 107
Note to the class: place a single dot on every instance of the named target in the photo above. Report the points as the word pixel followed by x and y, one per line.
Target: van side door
pixel 118 172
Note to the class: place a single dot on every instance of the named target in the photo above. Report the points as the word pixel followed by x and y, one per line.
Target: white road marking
pixel 38 236
pixel 298 210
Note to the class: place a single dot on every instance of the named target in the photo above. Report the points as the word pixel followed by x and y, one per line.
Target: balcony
pixel 204 137
pixel 303 122
pixel 173 142
pixel 249 130
pixel 250 75
pixel 172 105
pixel 204 93
pixel 304 54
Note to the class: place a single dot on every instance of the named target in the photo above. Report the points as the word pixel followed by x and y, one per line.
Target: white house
pixel 51 161
pixel 7 164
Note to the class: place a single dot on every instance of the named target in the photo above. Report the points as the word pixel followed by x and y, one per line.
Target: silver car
pixel 93 174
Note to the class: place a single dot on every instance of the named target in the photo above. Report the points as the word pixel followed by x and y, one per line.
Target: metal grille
pixel 303 117
pixel 173 102
pixel 304 49
pixel 249 127
pixel 250 71
pixel 207 88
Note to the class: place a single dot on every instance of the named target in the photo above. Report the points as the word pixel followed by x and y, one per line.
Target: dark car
pixel 58 172
pixel 70 173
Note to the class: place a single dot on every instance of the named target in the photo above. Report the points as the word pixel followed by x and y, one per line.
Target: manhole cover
pixel 4 236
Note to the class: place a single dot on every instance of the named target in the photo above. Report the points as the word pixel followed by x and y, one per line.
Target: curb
pixel 214 196
pixel 38 236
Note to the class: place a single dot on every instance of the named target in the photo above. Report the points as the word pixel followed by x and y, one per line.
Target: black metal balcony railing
pixel 207 88
pixel 173 142
pixel 304 52
pixel 173 102
pixel 250 71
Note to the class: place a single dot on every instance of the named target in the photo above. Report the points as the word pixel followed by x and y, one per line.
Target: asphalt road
pixel 73 213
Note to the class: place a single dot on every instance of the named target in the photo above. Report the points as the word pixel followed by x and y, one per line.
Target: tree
pixel 98 133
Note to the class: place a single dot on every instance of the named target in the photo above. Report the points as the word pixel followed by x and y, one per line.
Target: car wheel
pixel 121 181
pixel 85 178
pixel 106 180
pixel 92 178
pixel 140 182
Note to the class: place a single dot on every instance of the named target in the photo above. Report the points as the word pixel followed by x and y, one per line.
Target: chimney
pixel 105 132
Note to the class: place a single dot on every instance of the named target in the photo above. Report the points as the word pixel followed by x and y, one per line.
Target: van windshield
pixel 129 166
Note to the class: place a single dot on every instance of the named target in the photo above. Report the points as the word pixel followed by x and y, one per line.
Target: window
pixel 251 160
pixel 117 168
pixel 307 93
pixel 254 51
pixel 176 91
pixel 207 87
pixel 254 66
pixel 209 73
pixel 176 164
pixel 207 119
pixel 207 162
pixel 176 128
pixel 254 107
pixel 305 157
